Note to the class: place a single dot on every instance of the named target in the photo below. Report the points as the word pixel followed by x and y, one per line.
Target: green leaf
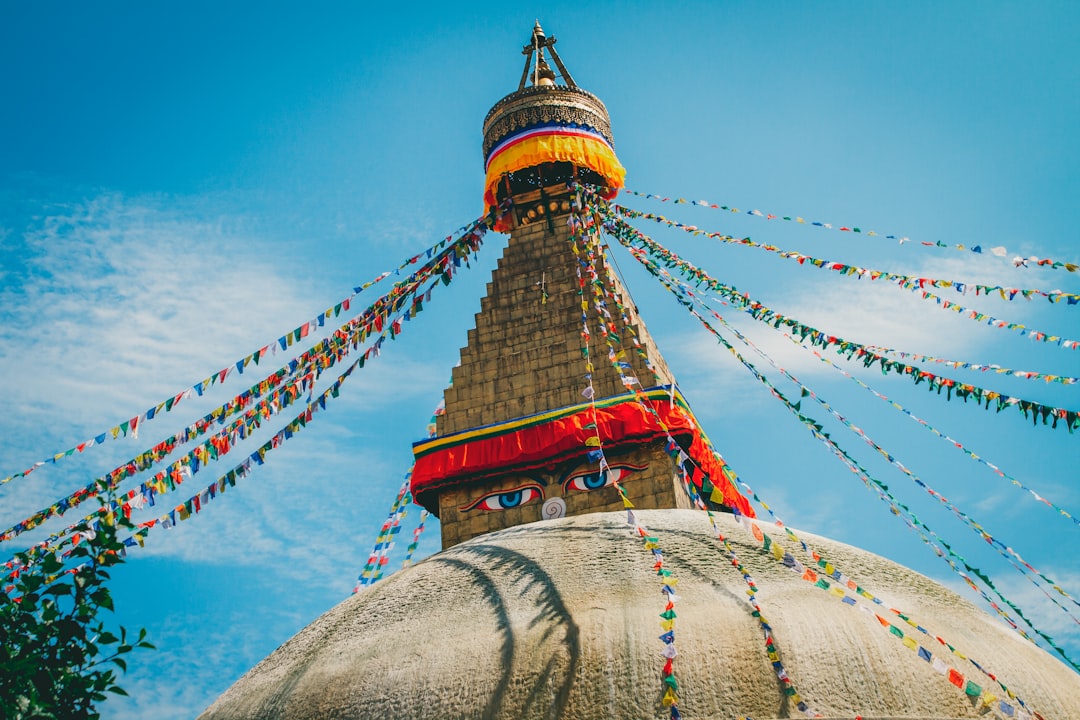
pixel 56 655
pixel 50 565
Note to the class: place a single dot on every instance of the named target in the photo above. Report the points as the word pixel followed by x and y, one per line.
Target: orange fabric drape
pixel 581 150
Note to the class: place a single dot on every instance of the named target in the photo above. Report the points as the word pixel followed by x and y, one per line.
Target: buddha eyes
pixel 588 480
pixel 506 499
pixel 585 480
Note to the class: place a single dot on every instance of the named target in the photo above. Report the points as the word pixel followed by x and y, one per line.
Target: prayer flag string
pixel 998 251
pixel 910 282
pixel 328 352
pixel 835 574
pixel 1002 549
pixel 881 490
pixel 639 244
pixel 771 650
pixel 897 508
pixel 878 350
pixel 584 247
pixel 594 250
pixel 384 543
pixel 668 582
pixel 916 285
pixel 219 444
pixel 147 493
pixel 839 588
pixel 132 425
pixel 195 504
pixel 417 532
pixel 587 226
pixel 604 296
pixel 986 698
pixel 949 439
pixel 700 276
pixel 385 540
pixel 948 555
pixel 443 268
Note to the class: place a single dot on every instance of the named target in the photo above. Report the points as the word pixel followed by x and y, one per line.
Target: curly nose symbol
pixel 553 508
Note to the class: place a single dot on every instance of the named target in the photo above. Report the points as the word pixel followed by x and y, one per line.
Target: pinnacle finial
pixel 540 72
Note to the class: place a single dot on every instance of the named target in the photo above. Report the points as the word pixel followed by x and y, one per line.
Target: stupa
pixel 562 414
pixel 535 395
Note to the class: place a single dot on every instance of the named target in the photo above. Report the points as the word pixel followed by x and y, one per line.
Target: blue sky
pixel 182 183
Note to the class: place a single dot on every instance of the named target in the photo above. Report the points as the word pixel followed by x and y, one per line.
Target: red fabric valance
pixel 561 435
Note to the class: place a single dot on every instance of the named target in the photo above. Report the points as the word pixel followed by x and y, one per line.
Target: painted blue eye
pixel 589 480
pixel 592 481
pixel 507 499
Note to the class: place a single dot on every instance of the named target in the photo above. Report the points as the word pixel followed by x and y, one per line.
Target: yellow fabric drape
pixel 580 150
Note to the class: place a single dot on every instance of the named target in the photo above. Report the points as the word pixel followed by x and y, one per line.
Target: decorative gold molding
pixel 543 104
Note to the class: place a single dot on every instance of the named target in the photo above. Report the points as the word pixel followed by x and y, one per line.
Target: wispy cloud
pixel 125 290
pixel 122 302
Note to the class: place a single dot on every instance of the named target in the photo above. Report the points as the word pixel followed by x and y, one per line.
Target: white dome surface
pixel 560 619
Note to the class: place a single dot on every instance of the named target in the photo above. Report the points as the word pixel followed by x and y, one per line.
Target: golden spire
pixel 541 72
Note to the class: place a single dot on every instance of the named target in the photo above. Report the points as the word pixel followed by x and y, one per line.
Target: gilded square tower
pixel 544 417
